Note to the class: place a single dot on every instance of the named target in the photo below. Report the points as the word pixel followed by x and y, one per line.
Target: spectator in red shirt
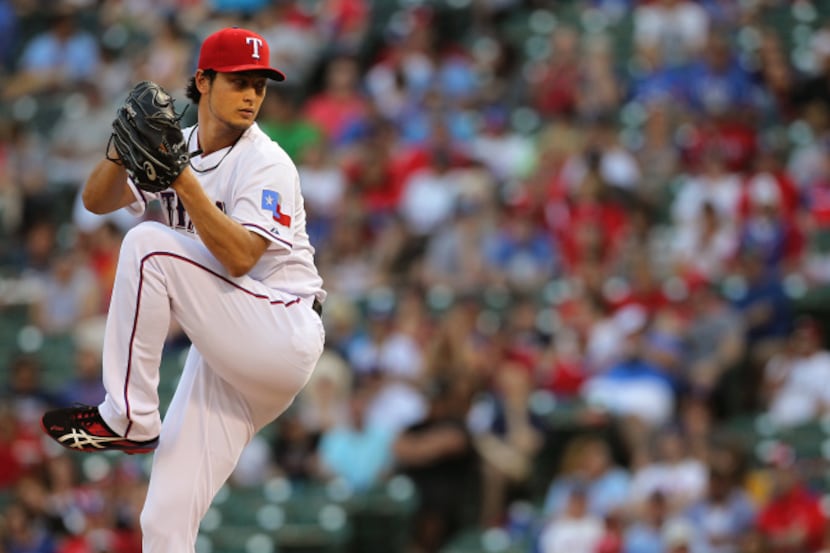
pixel 792 521
pixel 376 170
pixel 563 366
pixel 817 196
pixel 340 105
pixel 769 168
pixel 101 246
pixel 554 81
pixel 11 467
pixel 591 225
pixel 344 22
pixel 732 134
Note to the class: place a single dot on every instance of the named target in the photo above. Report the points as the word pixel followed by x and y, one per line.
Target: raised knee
pixel 145 237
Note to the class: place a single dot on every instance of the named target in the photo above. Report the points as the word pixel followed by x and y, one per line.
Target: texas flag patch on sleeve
pixel 271 202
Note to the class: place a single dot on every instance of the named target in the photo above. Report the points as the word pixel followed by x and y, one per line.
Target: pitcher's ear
pixel 202 81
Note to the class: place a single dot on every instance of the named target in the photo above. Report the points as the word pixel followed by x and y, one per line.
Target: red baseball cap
pixel 233 49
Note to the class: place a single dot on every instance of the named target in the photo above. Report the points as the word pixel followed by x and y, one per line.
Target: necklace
pixel 199 151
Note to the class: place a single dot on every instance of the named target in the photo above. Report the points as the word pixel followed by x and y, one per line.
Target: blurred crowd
pixel 566 244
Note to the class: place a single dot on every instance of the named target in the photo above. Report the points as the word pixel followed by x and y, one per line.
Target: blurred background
pixel 577 255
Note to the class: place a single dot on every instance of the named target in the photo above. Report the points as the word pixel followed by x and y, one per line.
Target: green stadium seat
pixel 381 517
pixel 237 539
pixel 493 540
pixel 12 319
pixel 295 521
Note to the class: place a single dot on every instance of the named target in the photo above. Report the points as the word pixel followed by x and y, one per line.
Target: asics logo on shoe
pixel 80 439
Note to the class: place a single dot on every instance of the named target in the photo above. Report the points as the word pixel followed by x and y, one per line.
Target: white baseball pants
pixel 253 350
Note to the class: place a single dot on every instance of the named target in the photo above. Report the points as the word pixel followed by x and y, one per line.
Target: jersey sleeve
pixel 142 198
pixel 267 202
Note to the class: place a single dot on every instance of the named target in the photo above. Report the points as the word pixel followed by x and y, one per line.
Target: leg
pixel 261 340
pixel 193 459
pixel 206 428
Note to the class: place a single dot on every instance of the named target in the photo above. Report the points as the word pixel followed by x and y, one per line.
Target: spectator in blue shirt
pixel 358 453
pixel 717 83
pixel 520 253
pixel 57 58
pixel 762 300
pixel 8 34
pixel 725 516
pixel 587 463
pixel 759 296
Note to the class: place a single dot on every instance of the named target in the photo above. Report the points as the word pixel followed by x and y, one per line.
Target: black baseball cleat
pixel 82 429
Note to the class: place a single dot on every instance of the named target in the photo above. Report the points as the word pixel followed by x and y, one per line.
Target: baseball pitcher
pixel 233 266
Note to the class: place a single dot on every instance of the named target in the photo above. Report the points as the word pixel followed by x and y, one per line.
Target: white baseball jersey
pixel 257 185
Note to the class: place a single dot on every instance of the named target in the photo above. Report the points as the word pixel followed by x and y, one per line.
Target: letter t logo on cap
pixel 257 43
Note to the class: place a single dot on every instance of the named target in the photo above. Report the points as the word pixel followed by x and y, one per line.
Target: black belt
pixel 317 307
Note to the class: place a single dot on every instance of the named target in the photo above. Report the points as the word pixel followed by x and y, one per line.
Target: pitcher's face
pixel 234 99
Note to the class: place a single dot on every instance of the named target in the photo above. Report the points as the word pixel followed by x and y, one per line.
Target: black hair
pixel 192 91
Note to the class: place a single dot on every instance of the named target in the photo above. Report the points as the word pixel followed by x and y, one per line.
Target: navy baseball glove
pixel 148 138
